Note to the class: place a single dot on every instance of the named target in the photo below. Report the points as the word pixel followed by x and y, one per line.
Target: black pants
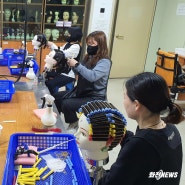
pixel 57 82
pixel 69 106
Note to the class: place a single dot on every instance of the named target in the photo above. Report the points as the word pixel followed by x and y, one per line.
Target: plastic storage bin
pixel 77 175
pixel 11 51
pixel 14 61
pixel 7 89
pixel 3 60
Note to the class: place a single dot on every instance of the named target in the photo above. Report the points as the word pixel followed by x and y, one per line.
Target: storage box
pixel 11 51
pixel 14 70
pixel 15 59
pixel 7 89
pixel 3 60
pixel 77 175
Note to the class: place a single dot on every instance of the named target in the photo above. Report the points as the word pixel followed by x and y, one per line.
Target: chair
pixel 168 67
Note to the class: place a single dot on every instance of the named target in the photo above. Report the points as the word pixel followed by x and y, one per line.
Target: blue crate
pixel 11 51
pixel 7 89
pixel 3 60
pixel 14 60
pixel 12 65
pixel 43 141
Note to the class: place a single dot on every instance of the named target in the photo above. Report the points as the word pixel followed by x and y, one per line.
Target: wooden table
pixel 20 108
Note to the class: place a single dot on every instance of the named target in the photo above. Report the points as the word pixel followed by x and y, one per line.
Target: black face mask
pixel 92 50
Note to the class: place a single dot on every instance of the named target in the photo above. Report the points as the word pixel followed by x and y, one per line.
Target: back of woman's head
pixel 151 90
pixel 75 34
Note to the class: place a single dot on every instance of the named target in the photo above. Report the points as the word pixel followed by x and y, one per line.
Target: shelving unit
pixel 14 16
pixel 61 16
pixel 31 17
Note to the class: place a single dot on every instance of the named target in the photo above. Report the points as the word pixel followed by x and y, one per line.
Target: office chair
pixel 168 67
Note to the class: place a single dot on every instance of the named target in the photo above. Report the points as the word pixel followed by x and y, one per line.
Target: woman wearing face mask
pixel 93 73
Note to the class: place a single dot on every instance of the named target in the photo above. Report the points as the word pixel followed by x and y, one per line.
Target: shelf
pixel 10 3
pixel 41 18
pixel 60 5
pixel 6 22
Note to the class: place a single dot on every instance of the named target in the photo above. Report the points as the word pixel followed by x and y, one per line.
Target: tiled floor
pixel 115 96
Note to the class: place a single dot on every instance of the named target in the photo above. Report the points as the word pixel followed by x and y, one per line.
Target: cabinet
pixel 21 19
pixel 15 12
pixel 61 14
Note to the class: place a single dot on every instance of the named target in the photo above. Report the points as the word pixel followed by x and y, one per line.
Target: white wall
pixel 102 21
pixel 168 30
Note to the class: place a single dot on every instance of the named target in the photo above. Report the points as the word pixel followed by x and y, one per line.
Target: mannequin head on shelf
pixel 76 2
pixel 74 17
pixel 49 19
pixel 54 59
pixel 7 14
pixel 64 2
pixel 47 33
pixel 39 41
pixel 13 16
pixel 73 34
pixel 49 16
pixel 55 34
pixel 101 128
pixel 65 16
pixel 56 16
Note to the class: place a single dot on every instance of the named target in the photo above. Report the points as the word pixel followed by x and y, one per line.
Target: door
pixel 131 37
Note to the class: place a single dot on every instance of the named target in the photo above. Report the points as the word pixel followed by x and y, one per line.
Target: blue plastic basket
pixel 12 65
pixel 73 174
pixel 11 51
pixel 7 89
pixel 3 60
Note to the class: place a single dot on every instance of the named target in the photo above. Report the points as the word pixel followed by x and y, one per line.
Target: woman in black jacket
pixel 153 156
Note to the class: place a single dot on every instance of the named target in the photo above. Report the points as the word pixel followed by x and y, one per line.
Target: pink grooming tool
pixel 24 159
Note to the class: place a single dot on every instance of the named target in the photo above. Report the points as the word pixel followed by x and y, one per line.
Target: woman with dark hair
pixel 93 73
pixel 154 154
pixel 59 77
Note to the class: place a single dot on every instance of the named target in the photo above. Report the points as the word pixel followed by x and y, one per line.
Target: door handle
pixel 119 36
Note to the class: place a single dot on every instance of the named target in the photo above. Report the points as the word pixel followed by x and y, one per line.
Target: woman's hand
pixel 71 62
